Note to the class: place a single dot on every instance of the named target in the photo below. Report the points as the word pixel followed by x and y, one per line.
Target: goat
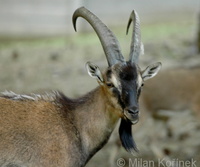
pixel 54 130
pixel 178 90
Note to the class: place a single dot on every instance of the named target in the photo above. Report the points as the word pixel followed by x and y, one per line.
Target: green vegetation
pixel 149 31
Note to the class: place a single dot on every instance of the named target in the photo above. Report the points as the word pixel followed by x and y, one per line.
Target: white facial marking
pixel 139 81
pixel 115 82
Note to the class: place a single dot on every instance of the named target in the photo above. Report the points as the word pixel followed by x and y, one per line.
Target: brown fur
pixel 175 89
pixel 63 132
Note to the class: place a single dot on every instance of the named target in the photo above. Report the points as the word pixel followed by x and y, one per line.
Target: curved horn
pixel 136 45
pixel 108 41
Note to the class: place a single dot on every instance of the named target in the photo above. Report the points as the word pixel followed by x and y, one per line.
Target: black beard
pixel 126 137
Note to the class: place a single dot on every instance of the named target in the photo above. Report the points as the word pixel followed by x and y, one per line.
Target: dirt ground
pixel 39 65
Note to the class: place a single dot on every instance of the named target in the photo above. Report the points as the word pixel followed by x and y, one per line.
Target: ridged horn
pixel 108 40
pixel 136 48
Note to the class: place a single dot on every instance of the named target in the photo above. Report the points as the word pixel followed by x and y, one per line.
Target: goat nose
pixel 133 110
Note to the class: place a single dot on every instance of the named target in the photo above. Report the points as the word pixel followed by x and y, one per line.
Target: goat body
pixel 46 131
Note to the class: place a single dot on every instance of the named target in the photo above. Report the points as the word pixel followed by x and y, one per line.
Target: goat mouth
pixel 134 121
pixel 133 118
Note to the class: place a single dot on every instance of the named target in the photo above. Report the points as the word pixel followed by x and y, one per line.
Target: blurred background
pixel 40 51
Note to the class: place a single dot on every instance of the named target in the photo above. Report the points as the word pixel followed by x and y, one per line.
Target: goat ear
pixel 151 71
pixel 94 71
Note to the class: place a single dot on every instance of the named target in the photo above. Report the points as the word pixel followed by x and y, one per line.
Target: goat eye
pixel 109 84
pixel 142 85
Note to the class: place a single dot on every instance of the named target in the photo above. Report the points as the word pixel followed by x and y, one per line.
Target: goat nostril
pixel 130 111
pixel 133 111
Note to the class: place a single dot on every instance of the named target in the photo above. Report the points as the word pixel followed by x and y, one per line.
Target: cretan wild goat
pixel 173 89
pixel 56 131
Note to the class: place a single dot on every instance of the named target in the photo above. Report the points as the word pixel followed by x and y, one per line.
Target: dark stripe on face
pixel 129 94
pixel 108 74
pixel 139 92
pixel 128 72
pixel 117 94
